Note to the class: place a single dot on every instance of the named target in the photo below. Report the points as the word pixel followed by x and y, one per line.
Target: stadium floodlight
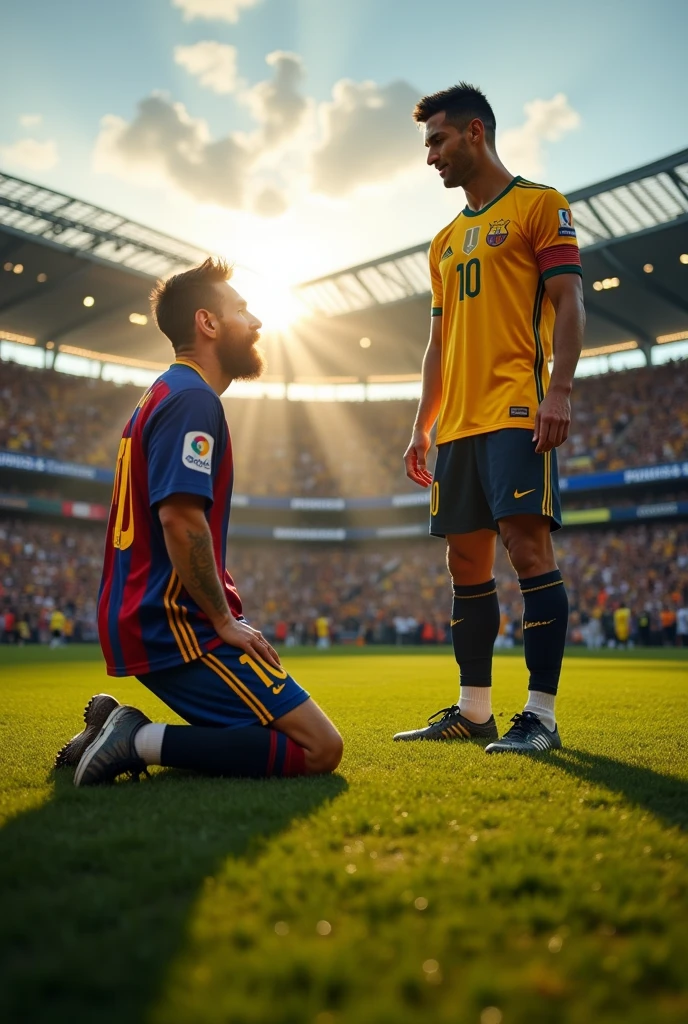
pixel 684 257
pixel 42 278
pixel 648 268
pixel 8 266
pixel 89 301
pixel 365 343
pixel 138 318
pixel 18 268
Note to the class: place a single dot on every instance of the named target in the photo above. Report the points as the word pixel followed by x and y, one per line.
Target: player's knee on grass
pixel 326 753
pixel 310 727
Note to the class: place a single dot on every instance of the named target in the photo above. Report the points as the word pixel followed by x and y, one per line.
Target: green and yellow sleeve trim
pixel 570 268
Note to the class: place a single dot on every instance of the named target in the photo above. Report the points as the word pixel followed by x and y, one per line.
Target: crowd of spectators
pixel 73 419
pixel 632 418
pixel 384 593
pixel 47 568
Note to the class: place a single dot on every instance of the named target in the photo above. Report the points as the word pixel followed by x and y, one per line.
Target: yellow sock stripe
pixel 557 583
pixel 184 628
pixel 239 688
pixel 469 597
pixel 171 619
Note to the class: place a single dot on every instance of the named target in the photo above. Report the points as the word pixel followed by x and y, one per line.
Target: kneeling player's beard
pixel 246 363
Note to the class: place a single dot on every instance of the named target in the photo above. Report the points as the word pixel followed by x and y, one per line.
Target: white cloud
pixel 271 202
pixel 546 121
pixel 164 144
pixel 369 136
pixel 277 104
pixel 29 153
pixel 213 10
pixel 30 120
pixel 214 64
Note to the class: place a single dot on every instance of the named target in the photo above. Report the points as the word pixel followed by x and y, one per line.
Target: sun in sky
pixel 269 297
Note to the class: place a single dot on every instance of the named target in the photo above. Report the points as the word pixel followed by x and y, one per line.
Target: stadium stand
pixel 74 282
pixel 395 593
pixel 637 417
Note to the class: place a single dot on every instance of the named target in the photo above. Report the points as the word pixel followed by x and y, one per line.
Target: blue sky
pixel 339 168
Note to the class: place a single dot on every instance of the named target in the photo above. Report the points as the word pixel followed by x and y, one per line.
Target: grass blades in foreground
pixel 423 882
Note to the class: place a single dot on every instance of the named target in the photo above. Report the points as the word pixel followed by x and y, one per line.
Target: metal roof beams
pixel 645 199
pixel 90 231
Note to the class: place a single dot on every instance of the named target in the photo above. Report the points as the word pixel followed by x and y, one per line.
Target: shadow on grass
pixel 664 795
pixel 97 887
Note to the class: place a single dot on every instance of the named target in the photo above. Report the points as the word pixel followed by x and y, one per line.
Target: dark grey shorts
pixel 481 479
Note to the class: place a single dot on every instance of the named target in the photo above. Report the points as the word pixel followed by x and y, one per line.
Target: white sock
pixel 542 705
pixel 475 703
pixel 148 742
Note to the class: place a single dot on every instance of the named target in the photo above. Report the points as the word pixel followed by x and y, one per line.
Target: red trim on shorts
pixel 272 754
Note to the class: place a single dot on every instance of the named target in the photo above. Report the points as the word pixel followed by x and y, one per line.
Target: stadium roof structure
pixel 77 277
pixel 57 251
pixel 633 221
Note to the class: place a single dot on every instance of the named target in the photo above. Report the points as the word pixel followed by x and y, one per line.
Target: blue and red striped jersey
pixel 176 442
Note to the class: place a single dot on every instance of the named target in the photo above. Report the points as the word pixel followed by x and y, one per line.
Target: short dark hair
pixel 461 104
pixel 174 302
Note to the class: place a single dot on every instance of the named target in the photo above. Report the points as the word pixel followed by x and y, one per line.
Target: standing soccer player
pixel 507 297
pixel 168 611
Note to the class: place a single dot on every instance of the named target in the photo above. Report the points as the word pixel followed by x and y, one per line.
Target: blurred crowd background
pixel 393 592
pixel 632 418
pixel 626 585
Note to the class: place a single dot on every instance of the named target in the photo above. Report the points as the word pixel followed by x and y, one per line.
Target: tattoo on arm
pixel 204 571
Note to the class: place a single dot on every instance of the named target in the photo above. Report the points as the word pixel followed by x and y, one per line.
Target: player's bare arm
pixel 190 547
pixel 415 456
pixel 553 418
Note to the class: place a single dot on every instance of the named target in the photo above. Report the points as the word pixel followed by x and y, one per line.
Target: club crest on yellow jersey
pixel 498 232
pixel 470 240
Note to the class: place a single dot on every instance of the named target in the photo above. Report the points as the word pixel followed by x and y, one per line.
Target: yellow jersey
pixel 488 270
pixel 57 621
pixel 322 627
pixel 622 623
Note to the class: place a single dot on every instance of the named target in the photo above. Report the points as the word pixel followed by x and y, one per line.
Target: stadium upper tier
pixel 284 449
pixel 77 279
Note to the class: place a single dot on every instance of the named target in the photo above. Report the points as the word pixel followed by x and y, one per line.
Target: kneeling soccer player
pixel 168 612
pixel 506 297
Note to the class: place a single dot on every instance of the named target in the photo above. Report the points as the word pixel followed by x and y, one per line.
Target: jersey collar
pixel 467 212
pixel 192 366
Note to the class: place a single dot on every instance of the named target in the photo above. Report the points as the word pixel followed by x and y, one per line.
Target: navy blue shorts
pixel 226 688
pixel 481 479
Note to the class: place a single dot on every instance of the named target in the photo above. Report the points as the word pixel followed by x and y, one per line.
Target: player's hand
pixel 415 458
pixel 250 640
pixel 552 421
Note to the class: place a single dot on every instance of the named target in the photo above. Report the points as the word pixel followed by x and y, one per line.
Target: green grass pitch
pixel 423 882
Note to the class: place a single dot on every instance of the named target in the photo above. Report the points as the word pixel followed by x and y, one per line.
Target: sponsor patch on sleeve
pixel 197 451
pixel 566 227
pixel 519 410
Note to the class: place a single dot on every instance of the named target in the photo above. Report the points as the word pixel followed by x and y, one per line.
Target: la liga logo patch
pixel 200 445
pixel 197 451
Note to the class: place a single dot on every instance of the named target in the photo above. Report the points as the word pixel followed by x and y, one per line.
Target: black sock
pixel 253 752
pixel 474 629
pixel 545 618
